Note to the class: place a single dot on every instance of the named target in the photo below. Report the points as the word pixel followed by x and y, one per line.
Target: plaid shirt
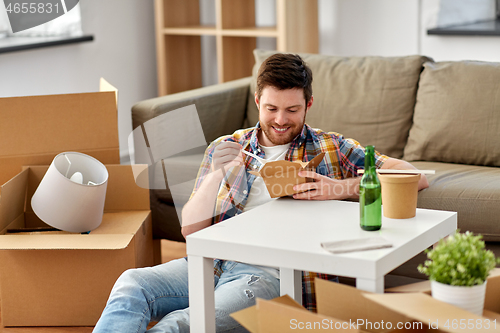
pixel 343 157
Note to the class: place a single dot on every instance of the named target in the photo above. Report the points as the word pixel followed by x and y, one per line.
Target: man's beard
pixel 285 138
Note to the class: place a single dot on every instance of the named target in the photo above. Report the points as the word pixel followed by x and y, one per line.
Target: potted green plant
pixel 458 267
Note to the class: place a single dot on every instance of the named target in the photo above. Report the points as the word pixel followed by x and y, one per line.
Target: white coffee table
pixel 287 233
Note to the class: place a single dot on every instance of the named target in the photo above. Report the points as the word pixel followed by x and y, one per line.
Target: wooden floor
pixel 169 250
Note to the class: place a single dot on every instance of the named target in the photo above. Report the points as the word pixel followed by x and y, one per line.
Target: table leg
pixel 201 294
pixel 372 285
pixel 291 283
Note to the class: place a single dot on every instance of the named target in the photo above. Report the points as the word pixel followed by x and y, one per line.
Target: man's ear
pixel 309 104
pixel 257 101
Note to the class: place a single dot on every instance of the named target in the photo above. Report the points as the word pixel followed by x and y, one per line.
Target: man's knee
pixel 129 283
pixel 130 277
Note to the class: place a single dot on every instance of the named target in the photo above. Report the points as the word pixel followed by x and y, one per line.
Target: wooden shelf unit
pixel 178 38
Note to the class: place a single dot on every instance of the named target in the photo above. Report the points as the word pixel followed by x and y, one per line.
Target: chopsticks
pixel 412 172
pixel 361 171
pixel 260 159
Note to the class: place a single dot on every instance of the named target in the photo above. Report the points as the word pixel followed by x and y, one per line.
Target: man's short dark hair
pixel 285 71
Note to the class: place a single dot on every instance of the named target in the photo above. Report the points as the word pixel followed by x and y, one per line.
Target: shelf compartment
pixel 236 14
pixel 177 13
pixel 179 35
pixel 237 57
pixel 182 64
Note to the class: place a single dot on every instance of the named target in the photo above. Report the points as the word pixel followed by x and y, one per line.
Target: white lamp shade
pixel 68 205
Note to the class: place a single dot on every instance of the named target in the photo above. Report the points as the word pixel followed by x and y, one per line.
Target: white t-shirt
pixel 258 193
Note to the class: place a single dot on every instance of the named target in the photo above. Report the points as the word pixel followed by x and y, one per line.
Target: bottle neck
pixel 369 159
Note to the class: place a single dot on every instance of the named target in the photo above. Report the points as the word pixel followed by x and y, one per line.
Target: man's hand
pixel 227 155
pixel 393 163
pixel 324 188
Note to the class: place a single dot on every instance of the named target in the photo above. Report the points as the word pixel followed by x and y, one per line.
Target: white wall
pixel 124 47
pixel 123 52
pixel 442 48
pixel 399 27
pixel 368 27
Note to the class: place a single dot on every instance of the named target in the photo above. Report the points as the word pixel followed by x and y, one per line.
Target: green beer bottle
pixel 370 198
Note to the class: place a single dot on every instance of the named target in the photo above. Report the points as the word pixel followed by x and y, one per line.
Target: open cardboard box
pixel 281 176
pixel 61 278
pixel 34 129
pixel 352 310
pixel 58 278
pixel 340 307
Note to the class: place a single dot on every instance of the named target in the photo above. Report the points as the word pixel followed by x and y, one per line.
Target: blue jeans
pixel 160 294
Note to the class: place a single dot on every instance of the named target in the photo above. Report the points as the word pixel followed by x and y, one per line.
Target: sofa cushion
pixel 370 99
pixel 457 114
pixel 468 190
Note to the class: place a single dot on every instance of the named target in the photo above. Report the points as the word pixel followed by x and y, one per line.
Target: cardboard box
pixel 34 129
pixel 352 310
pixel 280 314
pixel 339 308
pixel 55 279
pixel 492 294
pixel 281 176
pixel 418 287
pixel 61 278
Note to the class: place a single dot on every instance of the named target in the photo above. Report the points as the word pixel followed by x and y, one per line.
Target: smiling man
pixel 224 188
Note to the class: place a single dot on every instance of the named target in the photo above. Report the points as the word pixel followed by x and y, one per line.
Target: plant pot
pixel 467 298
pixel 399 195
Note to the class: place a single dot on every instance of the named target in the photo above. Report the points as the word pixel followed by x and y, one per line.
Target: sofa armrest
pixel 221 107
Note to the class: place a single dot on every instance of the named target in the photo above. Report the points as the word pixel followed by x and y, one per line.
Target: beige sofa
pixel 438 115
